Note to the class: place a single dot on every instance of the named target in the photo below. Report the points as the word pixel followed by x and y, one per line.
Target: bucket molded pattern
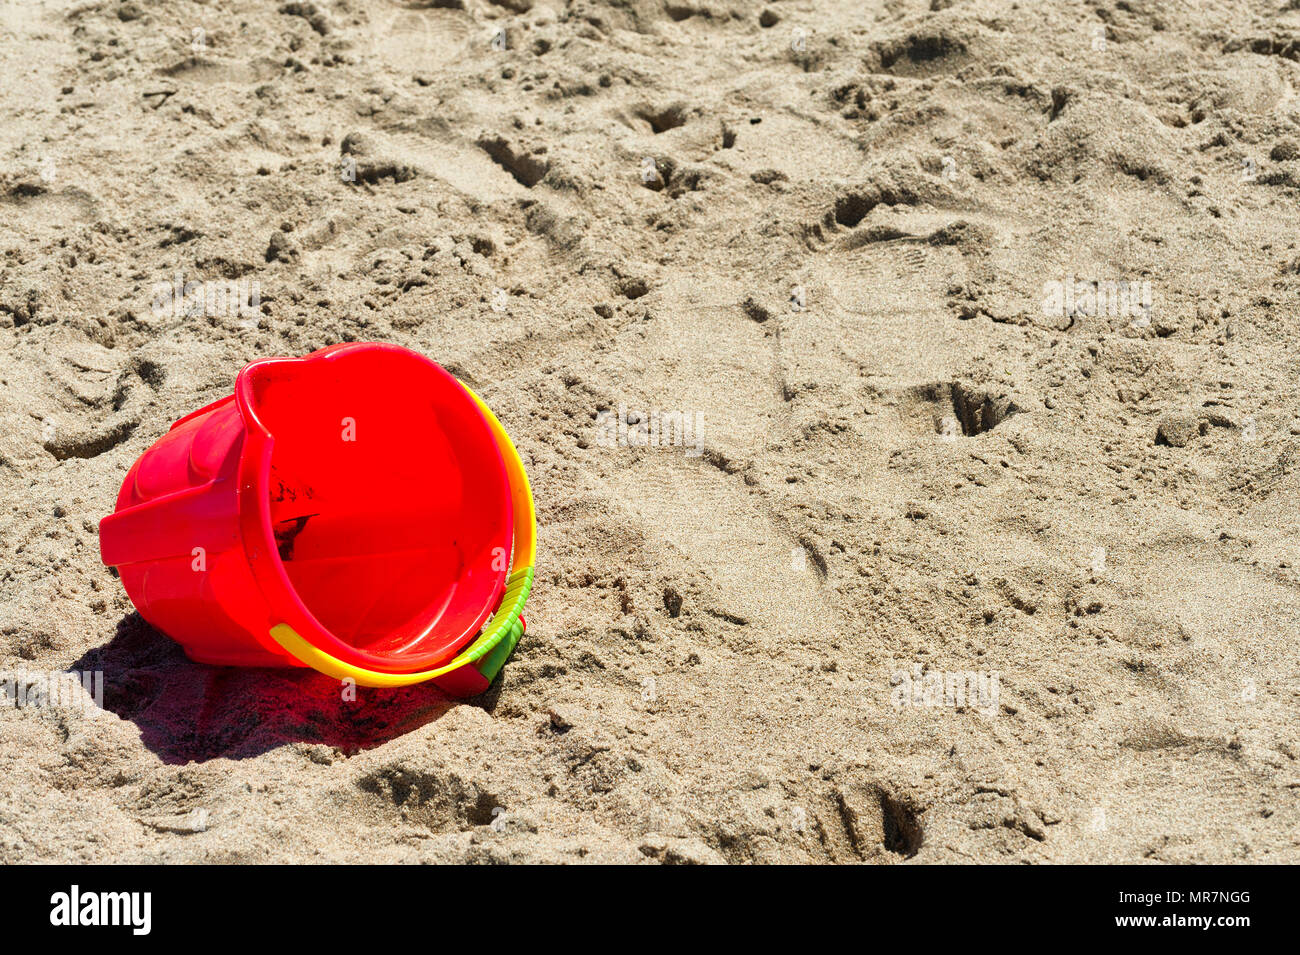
pixel 358 510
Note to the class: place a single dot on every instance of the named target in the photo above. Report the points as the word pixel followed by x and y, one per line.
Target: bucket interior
pixel 389 501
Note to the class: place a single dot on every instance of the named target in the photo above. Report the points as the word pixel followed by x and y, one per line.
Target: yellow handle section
pixel 521 491
pixel 518 586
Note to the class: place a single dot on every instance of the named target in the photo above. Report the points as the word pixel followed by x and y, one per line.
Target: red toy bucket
pixel 354 510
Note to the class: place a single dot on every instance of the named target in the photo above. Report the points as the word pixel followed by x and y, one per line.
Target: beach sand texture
pixel 983 316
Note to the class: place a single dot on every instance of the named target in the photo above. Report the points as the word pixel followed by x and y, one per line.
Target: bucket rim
pixel 285 606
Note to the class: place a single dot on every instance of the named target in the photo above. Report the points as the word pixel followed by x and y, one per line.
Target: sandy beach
pixel 908 389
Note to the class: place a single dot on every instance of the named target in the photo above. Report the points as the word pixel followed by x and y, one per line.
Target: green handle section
pixel 501 629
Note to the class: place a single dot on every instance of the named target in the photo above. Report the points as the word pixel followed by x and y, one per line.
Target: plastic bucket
pixel 358 510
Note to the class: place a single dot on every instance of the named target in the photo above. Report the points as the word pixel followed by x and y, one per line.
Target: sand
pixel 982 316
